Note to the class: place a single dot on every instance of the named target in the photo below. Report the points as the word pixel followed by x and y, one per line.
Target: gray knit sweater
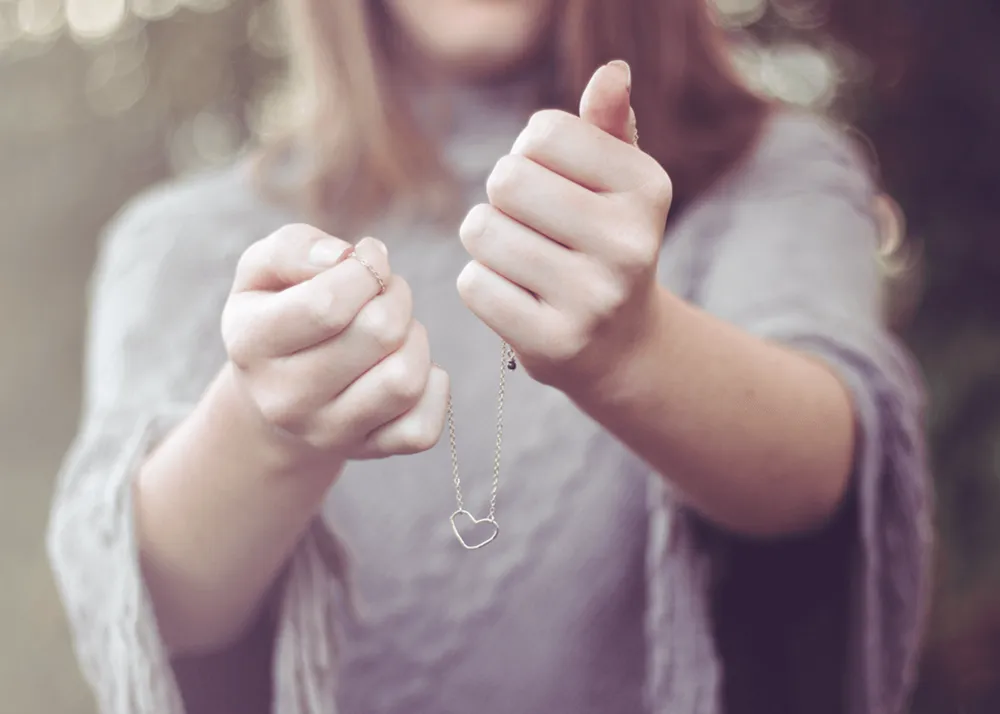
pixel 596 597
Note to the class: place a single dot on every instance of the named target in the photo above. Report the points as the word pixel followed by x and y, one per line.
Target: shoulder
pixel 187 227
pixel 212 211
pixel 799 158
pixel 799 151
pixel 805 194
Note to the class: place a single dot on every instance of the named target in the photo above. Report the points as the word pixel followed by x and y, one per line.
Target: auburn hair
pixel 365 149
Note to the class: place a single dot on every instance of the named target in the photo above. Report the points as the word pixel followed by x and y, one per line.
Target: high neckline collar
pixel 476 124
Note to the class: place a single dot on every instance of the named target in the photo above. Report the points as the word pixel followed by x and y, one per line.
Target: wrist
pixel 230 410
pixel 638 357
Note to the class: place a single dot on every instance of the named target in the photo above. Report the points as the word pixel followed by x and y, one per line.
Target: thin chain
pixel 507 362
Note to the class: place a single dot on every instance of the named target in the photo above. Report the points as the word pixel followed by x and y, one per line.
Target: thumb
pixel 606 103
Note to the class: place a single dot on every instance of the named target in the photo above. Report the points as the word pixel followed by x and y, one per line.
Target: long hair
pixel 366 150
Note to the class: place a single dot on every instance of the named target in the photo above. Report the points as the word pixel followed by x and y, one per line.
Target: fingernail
pixel 624 67
pixel 327 252
pixel 368 240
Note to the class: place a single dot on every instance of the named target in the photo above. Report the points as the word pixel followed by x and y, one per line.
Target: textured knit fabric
pixel 597 596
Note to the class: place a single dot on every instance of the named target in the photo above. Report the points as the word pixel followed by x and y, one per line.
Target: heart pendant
pixel 493 527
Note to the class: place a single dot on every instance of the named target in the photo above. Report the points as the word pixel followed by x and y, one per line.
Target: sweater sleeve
pixel 153 346
pixel 795 262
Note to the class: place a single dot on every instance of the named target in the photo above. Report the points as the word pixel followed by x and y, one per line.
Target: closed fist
pixel 564 255
pixel 329 360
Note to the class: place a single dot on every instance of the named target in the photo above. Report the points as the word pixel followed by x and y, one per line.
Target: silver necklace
pixel 508 362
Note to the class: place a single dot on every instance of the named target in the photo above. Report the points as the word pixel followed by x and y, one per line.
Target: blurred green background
pixel 101 98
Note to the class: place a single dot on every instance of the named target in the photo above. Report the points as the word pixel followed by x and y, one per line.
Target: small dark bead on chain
pixel 512 365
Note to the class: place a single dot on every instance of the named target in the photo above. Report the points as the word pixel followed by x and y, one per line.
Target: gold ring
pixel 370 269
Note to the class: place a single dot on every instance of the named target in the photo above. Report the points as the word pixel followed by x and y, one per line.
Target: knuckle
pixel 292 233
pixel 255 255
pixel 279 409
pixel 400 299
pixel 505 177
pixel 660 188
pixel 545 124
pixel 403 381
pixel 576 339
pixel 420 435
pixel 237 344
pixel 476 225
pixel 417 331
pixel 636 256
pixel 383 324
pixel 374 320
pixel 253 251
pixel 470 283
pixel 565 344
pixel 606 299
pixel 238 335
pixel 326 309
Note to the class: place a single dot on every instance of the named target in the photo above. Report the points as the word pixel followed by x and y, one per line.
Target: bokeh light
pixel 94 19
pixel 117 75
pixel 266 30
pixel 739 13
pixel 802 14
pixel 799 74
pixel 207 140
pixel 275 110
pixel 792 71
pixel 10 30
pixel 40 19
pixel 154 9
pixel 205 6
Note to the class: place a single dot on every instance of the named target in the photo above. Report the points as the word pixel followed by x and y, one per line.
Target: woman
pixel 718 400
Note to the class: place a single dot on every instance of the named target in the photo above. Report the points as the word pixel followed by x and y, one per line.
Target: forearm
pixel 755 436
pixel 219 511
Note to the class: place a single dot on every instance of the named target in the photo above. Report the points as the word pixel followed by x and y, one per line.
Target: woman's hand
pixel 328 363
pixel 565 252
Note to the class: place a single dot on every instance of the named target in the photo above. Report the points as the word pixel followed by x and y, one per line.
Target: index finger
pixel 583 153
pixel 266 324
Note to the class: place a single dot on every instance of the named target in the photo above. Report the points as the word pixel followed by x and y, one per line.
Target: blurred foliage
pixel 937 130
pixel 99 98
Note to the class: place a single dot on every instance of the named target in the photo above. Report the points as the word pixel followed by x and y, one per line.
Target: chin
pixel 475 38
